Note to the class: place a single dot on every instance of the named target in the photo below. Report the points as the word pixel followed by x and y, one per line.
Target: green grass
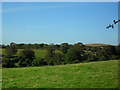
pixel 39 53
pixel 102 74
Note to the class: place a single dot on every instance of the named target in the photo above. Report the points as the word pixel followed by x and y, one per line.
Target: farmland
pixel 38 52
pixel 101 74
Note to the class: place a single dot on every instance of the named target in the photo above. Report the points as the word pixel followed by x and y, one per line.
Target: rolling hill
pixel 101 74
pixel 98 44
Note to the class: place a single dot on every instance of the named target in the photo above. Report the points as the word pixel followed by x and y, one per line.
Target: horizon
pixel 59 22
pixel 61 43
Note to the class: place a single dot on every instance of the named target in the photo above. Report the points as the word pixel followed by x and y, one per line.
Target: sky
pixel 60 0
pixel 59 22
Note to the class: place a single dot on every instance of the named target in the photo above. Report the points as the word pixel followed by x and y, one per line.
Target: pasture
pixel 101 74
pixel 38 52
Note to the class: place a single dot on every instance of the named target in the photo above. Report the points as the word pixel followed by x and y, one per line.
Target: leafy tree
pixel 64 47
pixel 50 55
pixel 10 51
pixel 75 54
pixel 27 57
pixel 106 52
pixel 12 44
pixel 8 59
pixel 57 59
pixel 8 62
pixel 38 62
pixel 118 51
pixel 91 58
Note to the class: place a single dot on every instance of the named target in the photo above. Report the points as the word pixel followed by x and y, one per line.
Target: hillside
pixel 97 44
pixel 102 74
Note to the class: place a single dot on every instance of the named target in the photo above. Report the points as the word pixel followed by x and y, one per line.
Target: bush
pixel 75 53
pixel 76 61
pixel 10 51
pixel 8 62
pixel 91 58
pixel 57 59
pixel 38 62
pixel 114 57
pixel 26 57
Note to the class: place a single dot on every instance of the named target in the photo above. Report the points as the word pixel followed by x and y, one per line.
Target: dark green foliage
pixel 64 47
pixel 71 55
pixel 56 54
pixel 50 55
pixel 91 58
pixel 106 53
pixel 57 59
pixel 93 49
pixel 38 62
pixel 27 56
pixel 9 59
pixel 118 51
pixel 75 53
pixel 10 51
pixel 8 62
pixel 76 61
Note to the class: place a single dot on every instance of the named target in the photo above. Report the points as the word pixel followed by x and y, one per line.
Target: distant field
pixel 98 44
pixel 102 74
pixel 38 52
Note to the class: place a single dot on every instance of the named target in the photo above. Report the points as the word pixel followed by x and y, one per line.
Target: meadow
pixel 101 74
pixel 39 53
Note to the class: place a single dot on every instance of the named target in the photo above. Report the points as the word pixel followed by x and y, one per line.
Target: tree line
pixel 69 54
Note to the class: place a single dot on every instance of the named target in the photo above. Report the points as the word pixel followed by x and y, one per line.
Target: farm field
pixel 102 74
pixel 38 52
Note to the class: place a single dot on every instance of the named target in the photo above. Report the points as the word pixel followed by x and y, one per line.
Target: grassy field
pixel 38 52
pixel 102 74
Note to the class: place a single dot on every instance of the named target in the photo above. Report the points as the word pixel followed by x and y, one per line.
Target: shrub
pixel 91 58
pixel 38 62
pixel 26 57
pixel 8 62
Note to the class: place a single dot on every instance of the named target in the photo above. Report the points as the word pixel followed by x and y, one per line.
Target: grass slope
pixel 101 74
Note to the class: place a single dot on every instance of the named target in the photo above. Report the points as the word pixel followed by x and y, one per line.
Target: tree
pixel 27 57
pixel 106 53
pixel 57 59
pixel 12 44
pixel 38 62
pixel 8 62
pixel 75 54
pixel 50 55
pixel 91 58
pixel 64 47
pixel 9 59
pixel 118 51
pixel 10 51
